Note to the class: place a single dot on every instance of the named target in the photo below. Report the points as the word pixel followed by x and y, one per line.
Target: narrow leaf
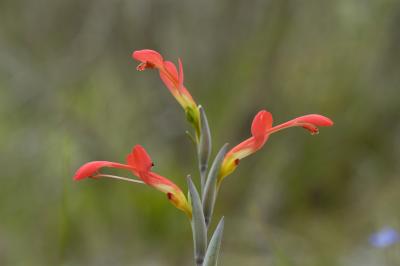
pixel 198 224
pixel 210 189
pixel 212 254
pixel 205 145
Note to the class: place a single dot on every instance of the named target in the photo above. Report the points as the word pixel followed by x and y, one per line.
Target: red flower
pixel 260 130
pixel 140 164
pixel 173 80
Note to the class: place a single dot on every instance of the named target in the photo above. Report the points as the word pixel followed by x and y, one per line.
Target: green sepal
pixel 205 146
pixel 212 254
pixel 210 189
pixel 198 224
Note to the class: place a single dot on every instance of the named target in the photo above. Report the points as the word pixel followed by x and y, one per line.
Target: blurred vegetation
pixel 69 93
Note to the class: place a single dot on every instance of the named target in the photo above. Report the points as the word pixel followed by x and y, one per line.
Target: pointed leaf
pixel 198 224
pixel 210 189
pixel 205 145
pixel 212 254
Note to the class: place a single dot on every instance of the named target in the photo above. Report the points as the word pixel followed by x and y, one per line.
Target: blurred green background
pixel 69 93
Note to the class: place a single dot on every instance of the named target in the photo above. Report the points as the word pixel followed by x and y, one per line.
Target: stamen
pixel 143 66
pixel 120 178
pixel 311 128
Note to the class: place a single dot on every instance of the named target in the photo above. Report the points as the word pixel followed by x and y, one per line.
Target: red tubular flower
pixel 173 80
pixel 261 129
pixel 262 122
pixel 139 163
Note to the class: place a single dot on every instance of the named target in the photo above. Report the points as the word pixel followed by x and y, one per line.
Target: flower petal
pixel 149 59
pixel 91 168
pixel 173 192
pixel 172 71
pixel 317 120
pixel 261 123
pixel 169 76
pixel 139 159
pixel 180 75
pixel 310 122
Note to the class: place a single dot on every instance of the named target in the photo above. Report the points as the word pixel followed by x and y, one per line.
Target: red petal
pixel 247 144
pixel 171 69
pixel 309 122
pixel 170 77
pixel 149 58
pixel 154 180
pixel 173 192
pixel 317 120
pixel 139 159
pixel 312 122
pixel 261 123
pixel 180 75
pixel 181 87
pixel 91 168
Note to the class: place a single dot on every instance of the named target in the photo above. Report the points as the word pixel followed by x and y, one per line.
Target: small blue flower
pixel 384 238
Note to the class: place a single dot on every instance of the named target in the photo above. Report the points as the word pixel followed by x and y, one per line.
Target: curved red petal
pixel 261 123
pixel 309 122
pixel 139 159
pixel 315 119
pixel 91 168
pixel 149 58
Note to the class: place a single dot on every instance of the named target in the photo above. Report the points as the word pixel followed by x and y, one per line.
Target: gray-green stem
pixel 203 204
